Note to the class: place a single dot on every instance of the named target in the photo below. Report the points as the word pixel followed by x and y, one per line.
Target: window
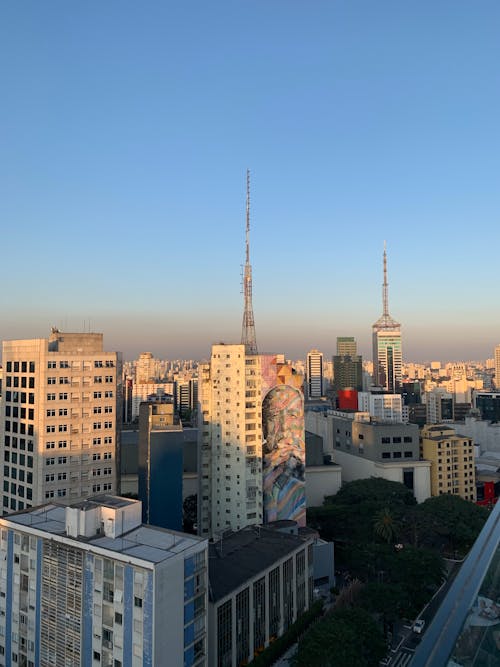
pixel 61 493
pixel 386 455
pixel 108 409
pixel 63 428
pixel 51 364
pixel 108 394
pixel 62 460
pixel 61 476
pixel 110 363
pixel 108 424
pixel 51 380
pixel 63 396
pixel 137 602
pixel 62 444
pixel 51 397
pixel 97 425
pixel 97 394
pixel 98 364
pixel 107 471
pixel 63 412
pixel 50 445
pixel 97 410
pixel 97 379
pixel 384 440
pixel 107 455
pixel 96 457
pixel 396 439
pixel 96 488
pixel 108 379
pixel 50 478
pixel 51 413
pixel 108 440
pixel 63 380
pixel 50 462
pixel 96 441
pixel 408 438
pixel 50 428
pixel 63 364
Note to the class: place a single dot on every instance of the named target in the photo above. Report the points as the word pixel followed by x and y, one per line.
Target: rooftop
pixel 148 543
pixel 243 555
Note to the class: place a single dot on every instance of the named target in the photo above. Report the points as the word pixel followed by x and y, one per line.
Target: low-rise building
pixel 452 461
pixel 261 580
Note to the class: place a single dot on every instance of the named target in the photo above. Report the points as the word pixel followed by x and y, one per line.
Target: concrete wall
pixel 322 481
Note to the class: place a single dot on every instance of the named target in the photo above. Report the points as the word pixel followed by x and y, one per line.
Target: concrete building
pixel 314 374
pixel 89 585
pixel 261 580
pixel 252 442
pixel 382 407
pixel 452 461
pixel 366 448
pixel 59 419
pixel 160 463
pixel 439 406
pixel 347 365
pixel 230 438
pixel 386 343
pixel 141 391
pixel 488 404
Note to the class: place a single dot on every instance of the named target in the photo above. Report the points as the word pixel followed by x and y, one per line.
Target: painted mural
pixel 283 446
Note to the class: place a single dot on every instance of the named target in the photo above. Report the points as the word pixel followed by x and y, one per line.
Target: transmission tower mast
pixel 248 328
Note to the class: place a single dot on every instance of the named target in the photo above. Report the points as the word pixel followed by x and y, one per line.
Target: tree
pixel 385 526
pixel 189 512
pixel 344 638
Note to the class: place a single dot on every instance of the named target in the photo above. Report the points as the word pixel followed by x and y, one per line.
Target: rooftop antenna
pixel 385 287
pixel 248 338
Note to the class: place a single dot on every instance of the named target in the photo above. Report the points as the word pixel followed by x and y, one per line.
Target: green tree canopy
pixel 344 638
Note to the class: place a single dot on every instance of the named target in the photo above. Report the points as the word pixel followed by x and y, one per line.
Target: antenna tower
pixel 248 328
pixel 385 286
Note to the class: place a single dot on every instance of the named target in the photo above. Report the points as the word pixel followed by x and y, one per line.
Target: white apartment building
pixel 230 441
pixel 89 585
pixel 497 367
pixel 314 374
pixel 58 419
pixel 383 407
pixel 140 393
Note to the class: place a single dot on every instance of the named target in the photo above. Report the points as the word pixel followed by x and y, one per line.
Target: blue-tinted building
pixel 160 468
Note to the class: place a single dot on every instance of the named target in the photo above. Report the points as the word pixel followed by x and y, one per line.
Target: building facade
pixel 59 419
pixel 89 585
pixel 452 461
pixel 252 441
pixel 261 580
pixel 347 365
pixel 314 374
pixel 161 442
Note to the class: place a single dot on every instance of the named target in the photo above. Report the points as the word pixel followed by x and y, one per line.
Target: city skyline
pixel 126 136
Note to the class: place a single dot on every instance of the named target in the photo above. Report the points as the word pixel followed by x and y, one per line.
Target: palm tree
pixel 385 525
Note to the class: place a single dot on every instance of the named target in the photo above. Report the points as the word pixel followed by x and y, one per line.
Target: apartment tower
pixel 230 441
pixel 386 339
pixel 314 374
pixel 59 419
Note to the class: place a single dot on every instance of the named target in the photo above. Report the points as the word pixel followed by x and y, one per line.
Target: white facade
pixel 354 467
pixel 230 437
pixel 322 481
pixel 59 419
pixel 314 374
pixel 384 407
pixel 88 585
pixel 140 393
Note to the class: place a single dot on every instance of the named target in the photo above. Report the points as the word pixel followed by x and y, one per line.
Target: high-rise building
pixel 387 350
pixel 89 585
pixel 59 419
pixel 230 432
pixel 251 435
pixel 161 441
pixel 346 346
pixel 314 374
pixel 452 461
pixel 347 365
pixel 497 366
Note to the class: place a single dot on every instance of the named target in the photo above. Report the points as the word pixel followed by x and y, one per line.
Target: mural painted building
pixel 251 441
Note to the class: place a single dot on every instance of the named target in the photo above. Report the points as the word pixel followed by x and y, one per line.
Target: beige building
pixel 230 441
pixel 452 461
pixel 59 419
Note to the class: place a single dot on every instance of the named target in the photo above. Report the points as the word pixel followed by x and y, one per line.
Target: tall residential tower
pixel 59 419
pixel 387 351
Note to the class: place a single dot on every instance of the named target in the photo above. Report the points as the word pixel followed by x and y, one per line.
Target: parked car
pixel 418 626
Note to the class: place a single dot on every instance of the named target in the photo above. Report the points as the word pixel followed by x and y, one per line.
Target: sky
pixel 126 130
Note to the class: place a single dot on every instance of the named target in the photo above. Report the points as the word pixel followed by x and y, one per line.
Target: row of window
pixel 13 441
pixel 19 397
pixel 61 460
pixel 395 439
pixel 17 412
pixel 17 490
pixel 12 457
pixel 98 379
pixel 20 366
pixel 14 473
pixel 23 382
pixel 96 472
pixel 51 444
pixel 98 363
pixel 15 505
pixel 397 455
pixel 19 427
pixel 108 440
pixel 64 395
pixel 96 456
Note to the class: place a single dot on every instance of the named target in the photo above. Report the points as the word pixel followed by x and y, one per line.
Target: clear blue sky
pixel 126 129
